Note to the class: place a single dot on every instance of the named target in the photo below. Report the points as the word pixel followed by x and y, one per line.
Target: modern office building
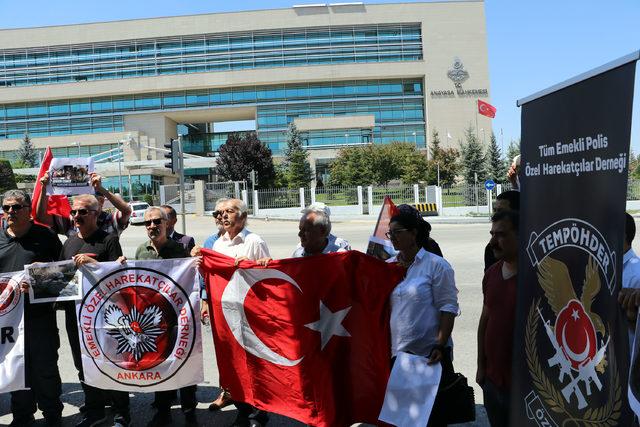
pixel 344 73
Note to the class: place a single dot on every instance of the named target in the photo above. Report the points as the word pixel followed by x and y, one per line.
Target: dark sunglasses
pixel 217 213
pixel 15 208
pixel 81 212
pixel 395 232
pixel 156 221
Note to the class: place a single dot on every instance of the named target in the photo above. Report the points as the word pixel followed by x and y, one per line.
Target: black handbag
pixel 455 401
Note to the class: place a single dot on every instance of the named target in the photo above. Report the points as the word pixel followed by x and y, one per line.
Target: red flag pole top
pixel 56 205
pixel 486 109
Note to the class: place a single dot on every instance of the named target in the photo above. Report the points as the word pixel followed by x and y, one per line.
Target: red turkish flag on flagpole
pixel 486 109
pixel 307 338
pixel 56 205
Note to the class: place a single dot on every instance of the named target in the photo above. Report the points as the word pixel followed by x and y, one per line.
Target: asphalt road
pixel 462 245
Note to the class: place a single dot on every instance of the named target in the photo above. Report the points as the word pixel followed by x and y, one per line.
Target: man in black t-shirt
pixel 22 243
pixel 89 245
pixel 505 201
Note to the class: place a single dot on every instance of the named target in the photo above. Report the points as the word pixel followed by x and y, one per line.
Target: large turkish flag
pixel 307 337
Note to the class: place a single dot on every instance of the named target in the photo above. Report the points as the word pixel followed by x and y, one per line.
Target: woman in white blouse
pixel 425 304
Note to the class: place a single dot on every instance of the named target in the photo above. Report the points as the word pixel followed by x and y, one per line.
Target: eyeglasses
pixel 81 212
pixel 216 213
pixel 156 221
pixel 392 233
pixel 15 208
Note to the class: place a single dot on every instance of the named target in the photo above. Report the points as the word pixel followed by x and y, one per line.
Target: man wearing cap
pixel 315 233
pixel 114 223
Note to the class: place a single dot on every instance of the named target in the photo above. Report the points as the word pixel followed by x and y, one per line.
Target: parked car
pixel 137 214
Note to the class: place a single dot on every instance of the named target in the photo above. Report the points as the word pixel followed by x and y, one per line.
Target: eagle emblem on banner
pixel 579 342
pixel 136 333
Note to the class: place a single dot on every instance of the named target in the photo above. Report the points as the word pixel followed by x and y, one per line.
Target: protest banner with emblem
pixel 139 325
pixel 12 375
pixel 571 350
pixel 305 337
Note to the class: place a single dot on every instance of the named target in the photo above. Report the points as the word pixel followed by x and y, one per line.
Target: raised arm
pixel 41 204
pixel 117 201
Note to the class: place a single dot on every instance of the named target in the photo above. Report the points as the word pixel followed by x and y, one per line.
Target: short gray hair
pixel 89 198
pixel 322 217
pixel 239 204
pixel 17 194
pixel 163 213
pixel 221 201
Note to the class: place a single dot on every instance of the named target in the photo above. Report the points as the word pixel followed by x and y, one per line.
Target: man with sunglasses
pixel 22 242
pixel 160 246
pixel 91 244
pixel 187 241
pixel 113 223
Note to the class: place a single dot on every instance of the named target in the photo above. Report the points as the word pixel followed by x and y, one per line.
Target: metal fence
pixel 218 190
pixel 399 194
pixel 279 198
pixel 172 194
pixel 336 195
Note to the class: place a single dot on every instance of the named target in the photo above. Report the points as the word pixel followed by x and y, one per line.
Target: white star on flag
pixel 329 324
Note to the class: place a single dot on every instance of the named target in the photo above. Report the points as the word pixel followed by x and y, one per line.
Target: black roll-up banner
pixel 571 355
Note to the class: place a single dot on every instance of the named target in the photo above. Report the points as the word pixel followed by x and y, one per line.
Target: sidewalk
pixel 373 218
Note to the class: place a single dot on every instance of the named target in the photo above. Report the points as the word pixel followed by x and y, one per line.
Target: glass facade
pixel 397 105
pixel 211 53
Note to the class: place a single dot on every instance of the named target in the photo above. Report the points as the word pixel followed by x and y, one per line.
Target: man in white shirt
pixel 315 233
pixel 239 243
pixel 630 265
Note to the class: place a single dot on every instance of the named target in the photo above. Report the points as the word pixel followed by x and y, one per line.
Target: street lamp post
pixel 120 153
pixel 346 138
pixel 77 144
pixel 415 139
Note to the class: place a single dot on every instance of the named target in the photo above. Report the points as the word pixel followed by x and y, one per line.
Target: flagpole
pixel 476 118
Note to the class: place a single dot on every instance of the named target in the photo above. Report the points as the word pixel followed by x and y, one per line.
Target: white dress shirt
pixel 245 243
pixel 427 289
pixel 334 244
pixel 631 279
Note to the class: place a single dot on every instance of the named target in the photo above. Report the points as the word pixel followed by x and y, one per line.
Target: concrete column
pixel 416 194
pixel 256 208
pixel 301 198
pixel 236 190
pixel 370 199
pixel 198 189
pixel 439 200
pixel 245 197
pixel 313 195
pixel 360 204
pixel 162 196
pixel 498 189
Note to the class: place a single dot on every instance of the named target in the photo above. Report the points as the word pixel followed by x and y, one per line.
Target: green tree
pixel 496 169
pixel 296 163
pixel 444 160
pixel 7 178
pixel 243 153
pixel 473 160
pixel 27 154
pixel 512 151
pixel 353 166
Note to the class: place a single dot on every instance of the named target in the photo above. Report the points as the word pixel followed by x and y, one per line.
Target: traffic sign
pixel 489 184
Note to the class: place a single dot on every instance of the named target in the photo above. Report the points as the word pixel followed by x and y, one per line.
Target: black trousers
pixel 251 412
pixel 41 367
pixel 497 404
pixel 94 398
pixel 188 399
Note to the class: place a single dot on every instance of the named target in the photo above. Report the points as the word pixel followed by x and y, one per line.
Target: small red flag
pixel 307 338
pixel 56 205
pixel 379 245
pixel 486 109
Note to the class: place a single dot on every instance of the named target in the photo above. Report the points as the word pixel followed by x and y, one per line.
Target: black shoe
pixel 160 419
pixel 91 421
pixel 53 422
pixel 190 418
pixel 240 421
pixel 121 421
pixel 83 409
pixel 23 422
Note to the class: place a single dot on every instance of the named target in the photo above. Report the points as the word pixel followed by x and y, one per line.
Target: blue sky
pixel 532 44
